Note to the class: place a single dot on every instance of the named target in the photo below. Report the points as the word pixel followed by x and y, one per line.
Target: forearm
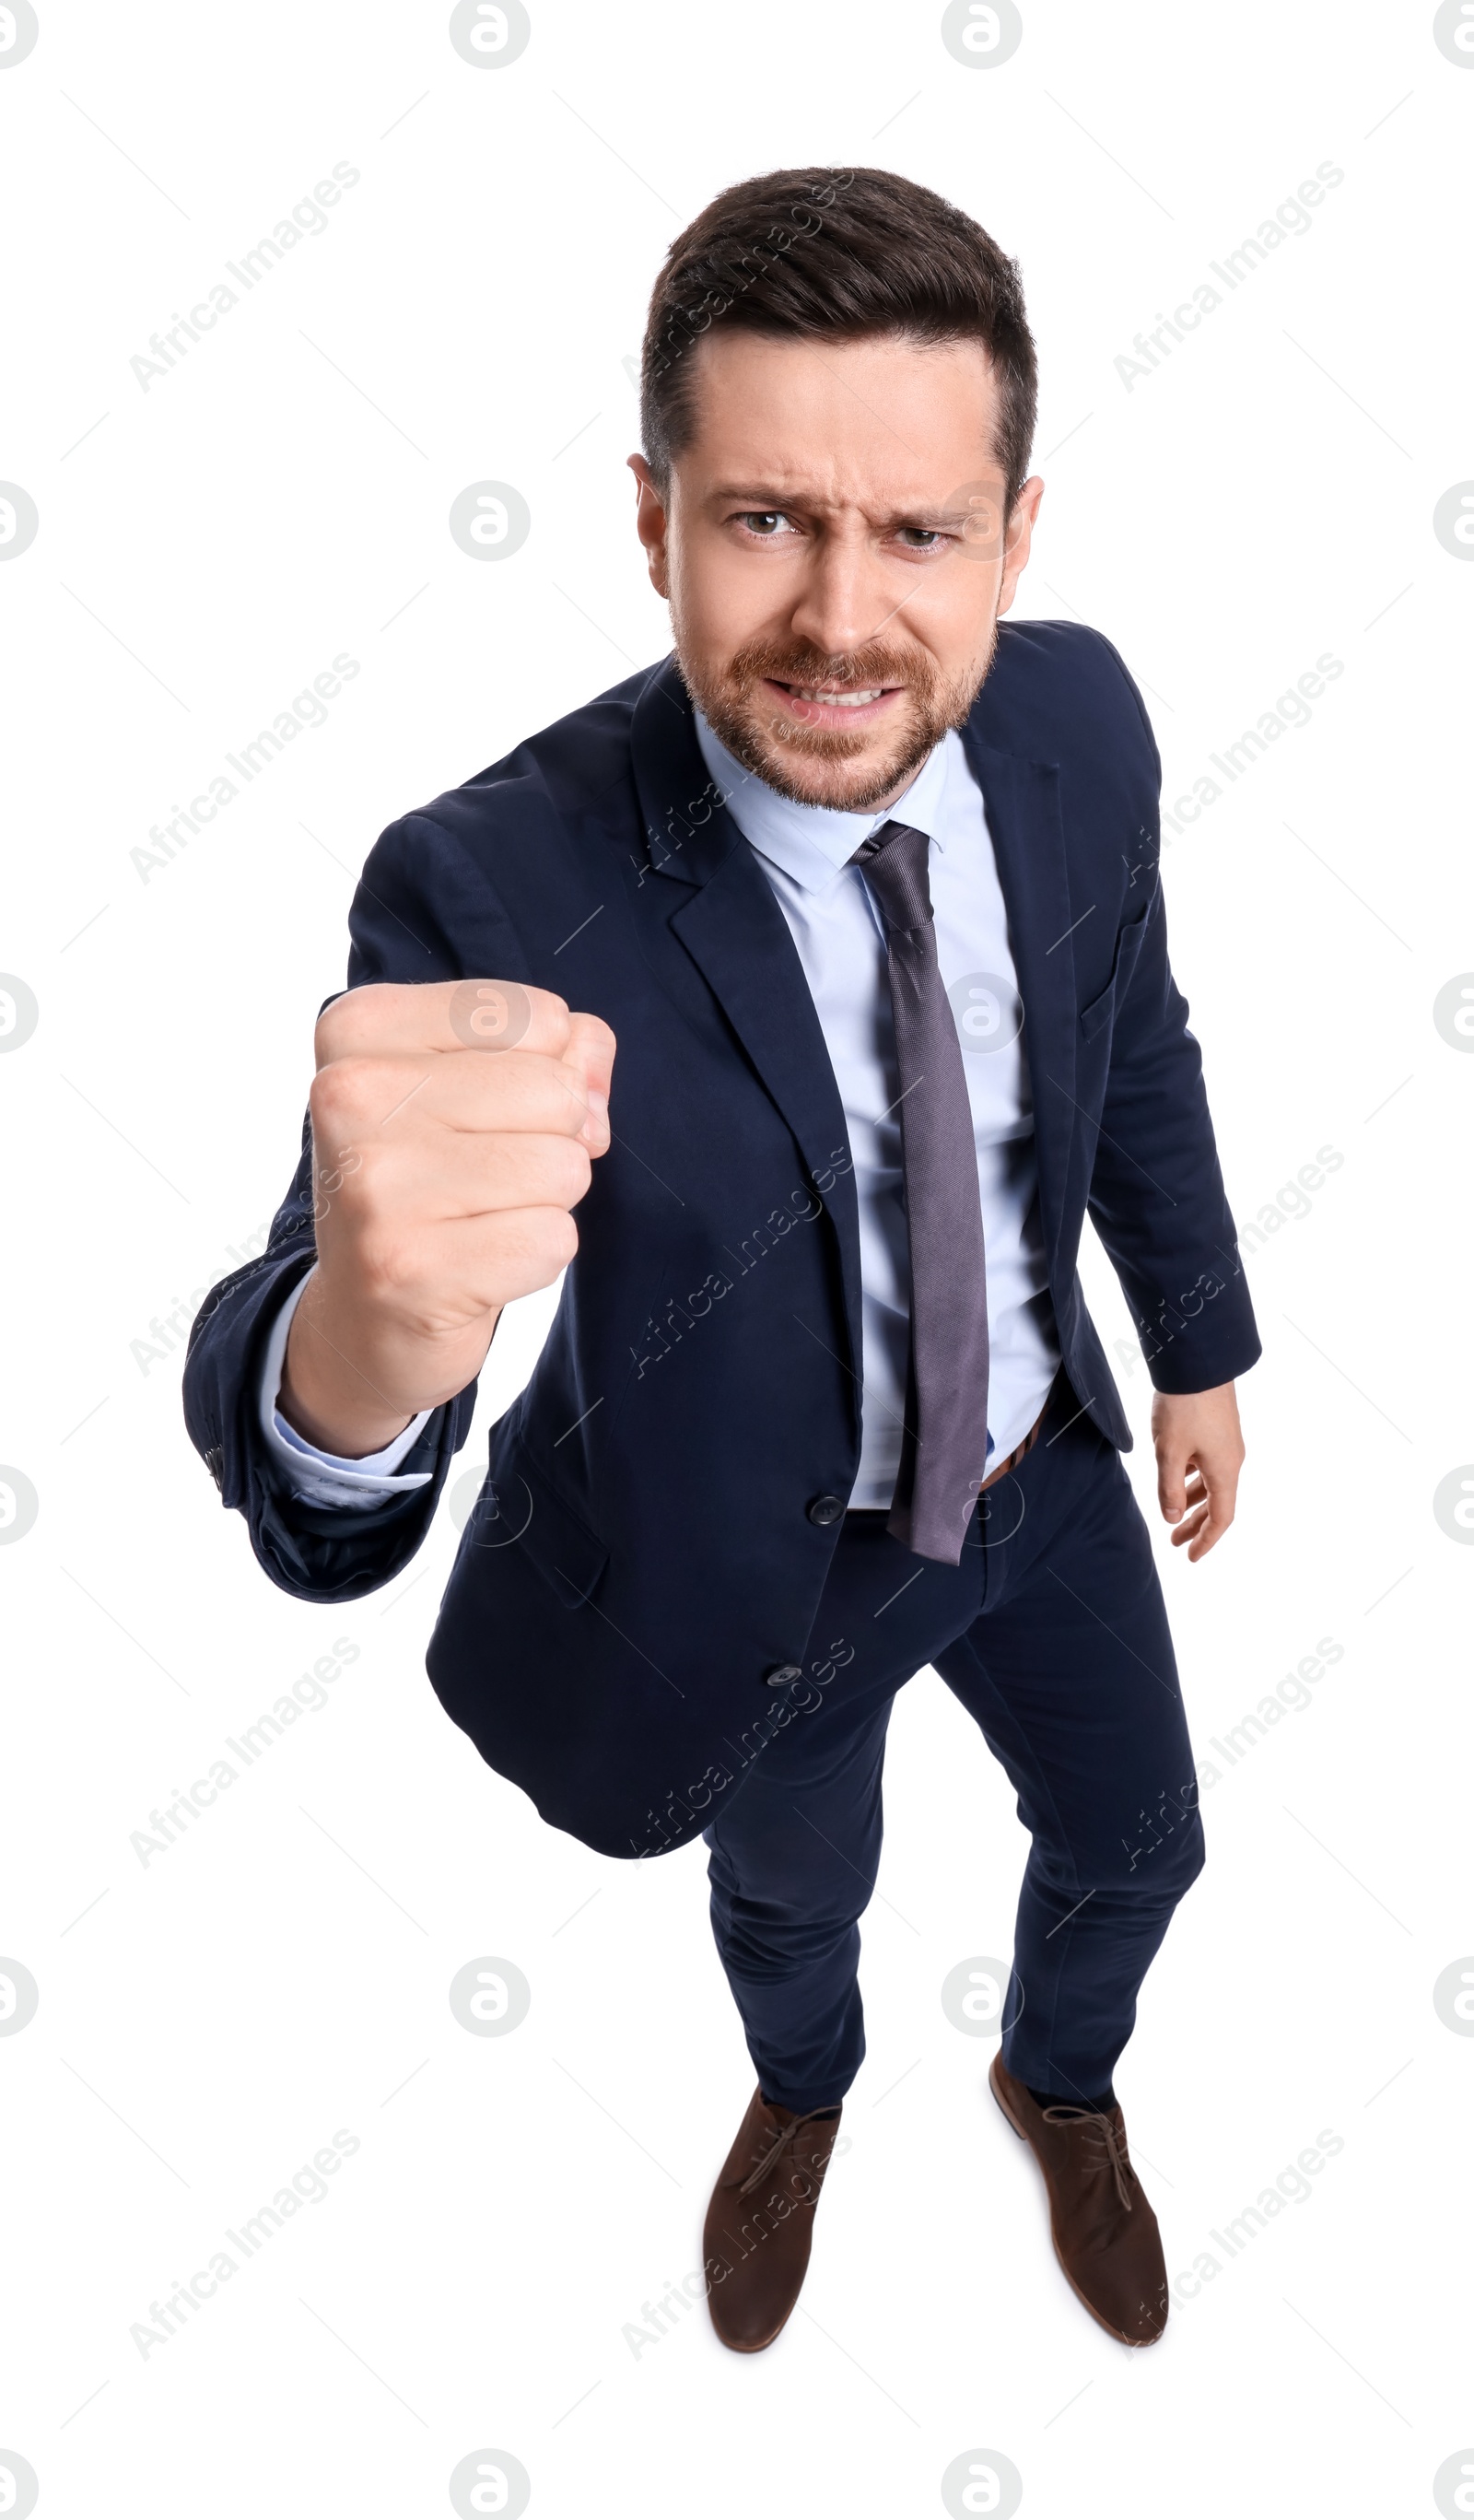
pixel 353 1379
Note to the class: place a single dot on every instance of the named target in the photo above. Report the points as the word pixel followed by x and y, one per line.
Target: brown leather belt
pixel 879 1513
pixel 1027 1446
pixel 1015 1457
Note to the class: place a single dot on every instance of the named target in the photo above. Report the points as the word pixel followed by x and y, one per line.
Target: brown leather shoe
pixel 1105 2233
pixel 760 2222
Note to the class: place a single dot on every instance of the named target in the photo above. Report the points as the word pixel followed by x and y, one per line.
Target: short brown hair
pixel 838 254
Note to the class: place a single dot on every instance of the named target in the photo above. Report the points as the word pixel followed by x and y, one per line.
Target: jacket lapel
pixel 731 926
pixel 1027 830
pixel 735 932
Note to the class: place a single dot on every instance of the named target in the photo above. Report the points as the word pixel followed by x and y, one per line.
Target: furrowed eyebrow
pixel 769 502
pixel 762 500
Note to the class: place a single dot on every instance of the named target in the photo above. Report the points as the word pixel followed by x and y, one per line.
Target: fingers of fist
pixel 436 1161
pixel 448 1015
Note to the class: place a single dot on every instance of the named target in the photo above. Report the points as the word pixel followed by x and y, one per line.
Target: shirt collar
pixel 812 843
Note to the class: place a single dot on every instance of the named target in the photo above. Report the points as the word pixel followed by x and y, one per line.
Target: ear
pixel 1019 538
pixel 651 524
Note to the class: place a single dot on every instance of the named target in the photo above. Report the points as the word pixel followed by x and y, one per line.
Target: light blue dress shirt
pixel 840 939
pixel 841 936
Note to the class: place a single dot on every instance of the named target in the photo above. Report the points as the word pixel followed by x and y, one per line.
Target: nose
pixel 846 597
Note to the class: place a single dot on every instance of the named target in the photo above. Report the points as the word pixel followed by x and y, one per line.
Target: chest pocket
pixel 1098 1014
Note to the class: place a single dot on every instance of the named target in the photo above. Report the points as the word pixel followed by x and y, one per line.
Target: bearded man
pixel 863 882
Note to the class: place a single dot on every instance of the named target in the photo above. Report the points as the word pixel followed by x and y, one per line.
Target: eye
pixel 921 537
pixel 768 523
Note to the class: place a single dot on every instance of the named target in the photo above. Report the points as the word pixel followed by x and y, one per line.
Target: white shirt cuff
pixel 328 1478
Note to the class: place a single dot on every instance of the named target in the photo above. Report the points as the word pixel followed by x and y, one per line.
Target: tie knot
pixel 894 862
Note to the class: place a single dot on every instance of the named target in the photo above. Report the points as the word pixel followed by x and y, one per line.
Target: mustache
pixel 798 662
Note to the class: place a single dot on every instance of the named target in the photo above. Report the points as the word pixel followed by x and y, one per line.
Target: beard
pixel 811 765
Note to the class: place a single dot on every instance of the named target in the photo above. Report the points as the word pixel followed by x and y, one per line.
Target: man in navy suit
pixel 864 887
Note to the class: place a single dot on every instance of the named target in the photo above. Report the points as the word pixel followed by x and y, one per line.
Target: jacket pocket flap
pixel 1128 947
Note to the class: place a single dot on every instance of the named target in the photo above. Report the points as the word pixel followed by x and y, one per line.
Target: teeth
pixel 836 700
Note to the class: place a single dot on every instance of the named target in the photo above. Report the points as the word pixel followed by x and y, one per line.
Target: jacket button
pixel 785 1675
pixel 825 1509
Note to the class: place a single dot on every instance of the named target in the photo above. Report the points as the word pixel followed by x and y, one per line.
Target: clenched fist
pixel 454 1126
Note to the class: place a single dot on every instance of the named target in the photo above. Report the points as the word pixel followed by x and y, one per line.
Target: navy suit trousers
pixel 1053 1634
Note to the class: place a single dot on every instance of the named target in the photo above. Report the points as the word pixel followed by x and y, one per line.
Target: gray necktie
pixel 944 1448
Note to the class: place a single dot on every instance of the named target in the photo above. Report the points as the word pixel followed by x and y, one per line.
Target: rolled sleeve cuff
pixel 328 1478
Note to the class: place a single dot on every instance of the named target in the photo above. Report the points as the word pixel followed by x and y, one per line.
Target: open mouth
pixel 837 704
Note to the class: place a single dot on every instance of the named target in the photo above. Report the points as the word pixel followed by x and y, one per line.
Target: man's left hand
pixel 1200 1451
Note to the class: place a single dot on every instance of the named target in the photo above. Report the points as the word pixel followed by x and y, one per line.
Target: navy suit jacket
pixel 642 1556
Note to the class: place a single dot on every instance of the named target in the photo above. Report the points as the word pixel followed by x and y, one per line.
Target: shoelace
pixel 785 2134
pixel 1114 2143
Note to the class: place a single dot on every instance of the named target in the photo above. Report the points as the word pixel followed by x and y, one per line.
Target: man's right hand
pixel 454 1126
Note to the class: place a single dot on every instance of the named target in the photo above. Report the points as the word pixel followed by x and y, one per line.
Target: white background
pixel 208 2020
